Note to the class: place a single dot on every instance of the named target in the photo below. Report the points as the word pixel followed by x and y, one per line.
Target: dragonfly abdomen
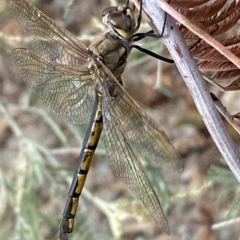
pixel 89 145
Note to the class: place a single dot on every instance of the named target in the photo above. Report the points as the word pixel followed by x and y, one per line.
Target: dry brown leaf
pixel 204 12
pixel 215 18
pixel 182 4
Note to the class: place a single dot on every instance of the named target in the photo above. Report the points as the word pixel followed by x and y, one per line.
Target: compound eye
pixel 108 10
pixel 119 20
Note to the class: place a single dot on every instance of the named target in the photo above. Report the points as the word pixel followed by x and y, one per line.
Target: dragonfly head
pixel 121 20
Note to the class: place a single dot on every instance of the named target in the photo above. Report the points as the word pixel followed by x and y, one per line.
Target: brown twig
pixel 193 78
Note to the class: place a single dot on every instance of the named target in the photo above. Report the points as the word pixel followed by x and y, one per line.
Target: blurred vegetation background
pixel 38 151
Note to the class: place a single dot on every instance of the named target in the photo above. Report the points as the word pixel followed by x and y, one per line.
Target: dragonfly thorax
pixel 113 52
pixel 115 46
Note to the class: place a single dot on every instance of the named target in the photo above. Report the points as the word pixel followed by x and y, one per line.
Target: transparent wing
pixel 127 166
pixel 68 90
pixel 129 136
pixel 143 135
pixel 50 41
pixel 139 130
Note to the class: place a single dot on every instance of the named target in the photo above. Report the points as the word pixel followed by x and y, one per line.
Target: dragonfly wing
pixel 68 90
pixel 50 41
pixel 142 133
pixel 129 136
pixel 139 130
pixel 128 168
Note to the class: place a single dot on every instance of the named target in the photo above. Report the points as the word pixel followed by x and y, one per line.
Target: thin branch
pixel 225 113
pixel 193 78
pixel 227 223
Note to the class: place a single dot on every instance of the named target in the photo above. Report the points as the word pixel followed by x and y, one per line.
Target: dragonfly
pixel 83 85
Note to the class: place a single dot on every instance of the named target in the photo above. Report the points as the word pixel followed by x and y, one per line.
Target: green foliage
pixel 222 175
